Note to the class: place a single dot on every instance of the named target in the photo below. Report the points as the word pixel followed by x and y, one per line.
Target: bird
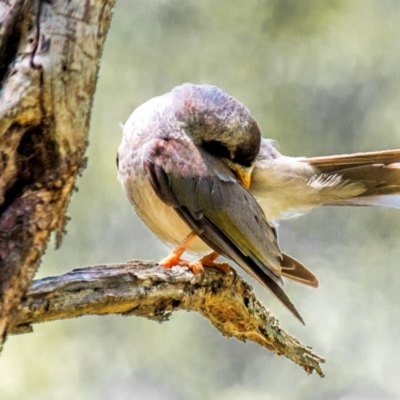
pixel 198 172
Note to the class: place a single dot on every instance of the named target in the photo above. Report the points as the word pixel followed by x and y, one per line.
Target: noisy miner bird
pixel 198 173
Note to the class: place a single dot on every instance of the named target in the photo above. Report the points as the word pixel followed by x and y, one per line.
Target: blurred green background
pixel 321 77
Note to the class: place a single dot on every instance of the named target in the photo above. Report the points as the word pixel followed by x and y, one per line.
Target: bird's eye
pixel 117 160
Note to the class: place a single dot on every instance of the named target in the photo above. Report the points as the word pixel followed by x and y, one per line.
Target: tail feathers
pixel 273 285
pixel 387 201
pixel 378 179
pixel 291 269
pixel 278 292
pixel 335 163
pixel 294 270
pixel 378 173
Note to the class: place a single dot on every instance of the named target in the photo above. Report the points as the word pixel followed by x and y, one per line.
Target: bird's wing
pixel 208 197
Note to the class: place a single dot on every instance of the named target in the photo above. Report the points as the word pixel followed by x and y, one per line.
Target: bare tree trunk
pixel 49 60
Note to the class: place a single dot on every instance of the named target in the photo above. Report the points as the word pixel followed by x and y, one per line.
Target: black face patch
pixel 216 148
pixel 244 157
pixel 246 153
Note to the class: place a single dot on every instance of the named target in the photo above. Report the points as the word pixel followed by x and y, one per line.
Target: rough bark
pixel 49 58
pixel 148 290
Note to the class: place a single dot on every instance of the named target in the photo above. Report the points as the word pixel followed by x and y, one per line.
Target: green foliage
pixel 290 19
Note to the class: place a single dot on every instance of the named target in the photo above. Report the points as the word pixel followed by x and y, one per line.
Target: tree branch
pixel 148 290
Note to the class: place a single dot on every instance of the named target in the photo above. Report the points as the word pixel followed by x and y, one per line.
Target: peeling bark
pixel 49 59
pixel 145 289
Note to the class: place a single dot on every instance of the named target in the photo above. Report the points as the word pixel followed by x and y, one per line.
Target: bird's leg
pixel 209 261
pixel 174 258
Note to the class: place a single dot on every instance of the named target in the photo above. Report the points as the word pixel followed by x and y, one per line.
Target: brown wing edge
pixel 333 163
pixel 295 271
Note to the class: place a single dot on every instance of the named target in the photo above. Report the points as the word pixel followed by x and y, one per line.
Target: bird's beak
pixel 245 179
pixel 244 175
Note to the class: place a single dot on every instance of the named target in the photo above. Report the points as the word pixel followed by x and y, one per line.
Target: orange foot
pixel 209 261
pixel 174 259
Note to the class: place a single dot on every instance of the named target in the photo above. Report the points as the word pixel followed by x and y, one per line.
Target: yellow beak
pixel 244 175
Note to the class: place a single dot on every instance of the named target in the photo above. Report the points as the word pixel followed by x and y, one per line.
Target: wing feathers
pixel 207 196
pixel 215 239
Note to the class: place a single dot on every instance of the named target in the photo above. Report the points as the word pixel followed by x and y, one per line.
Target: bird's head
pixel 220 125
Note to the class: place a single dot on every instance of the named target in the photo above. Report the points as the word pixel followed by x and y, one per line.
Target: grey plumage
pixel 182 163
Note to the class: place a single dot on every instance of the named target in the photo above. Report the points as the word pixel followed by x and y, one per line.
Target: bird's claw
pixel 172 259
pixel 209 261
pixel 197 267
